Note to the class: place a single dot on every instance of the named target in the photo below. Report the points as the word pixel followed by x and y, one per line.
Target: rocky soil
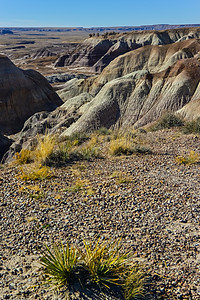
pixel 149 201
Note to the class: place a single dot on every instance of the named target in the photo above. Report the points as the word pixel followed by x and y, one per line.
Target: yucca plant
pixel 104 262
pixel 59 264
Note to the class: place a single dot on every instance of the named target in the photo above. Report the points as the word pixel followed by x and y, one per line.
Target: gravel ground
pixel 149 201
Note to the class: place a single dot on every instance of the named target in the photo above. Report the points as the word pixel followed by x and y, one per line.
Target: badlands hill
pixel 22 93
pixel 98 52
pixel 133 90
pixel 137 87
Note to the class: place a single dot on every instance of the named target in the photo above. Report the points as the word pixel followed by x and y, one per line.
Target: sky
pixel 101 13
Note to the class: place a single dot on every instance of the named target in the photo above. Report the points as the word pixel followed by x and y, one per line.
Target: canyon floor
pixel 150 201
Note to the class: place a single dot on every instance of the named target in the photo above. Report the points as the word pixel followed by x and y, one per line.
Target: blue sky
pixel 87 13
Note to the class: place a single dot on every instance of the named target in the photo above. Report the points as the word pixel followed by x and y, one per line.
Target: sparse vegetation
pixel 59 264
pixel 44 149
pixel 142 149
pixel 34 173
pixel 23 157
pixel 76 187
pixel 120 177
pixel 134 284
pixel 192 127
pixel 168 120
pixel 121 146
pixel 191 158
pixel 103 262
pixel 51 151
pixel 33 192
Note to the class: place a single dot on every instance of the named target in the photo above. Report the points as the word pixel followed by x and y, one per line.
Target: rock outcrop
pixel 5 143
pixel 191 111
pixel 22 93
pixel 98 52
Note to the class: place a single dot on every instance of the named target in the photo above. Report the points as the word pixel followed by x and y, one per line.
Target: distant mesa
pixel 105 29
pixel 6 31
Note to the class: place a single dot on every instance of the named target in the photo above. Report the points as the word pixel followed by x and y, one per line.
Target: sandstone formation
pixel 22 93
pixel 98 52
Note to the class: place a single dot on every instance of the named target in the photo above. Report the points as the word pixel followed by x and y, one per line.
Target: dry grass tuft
pixel 121 146
pixel 23 157
pixel 191 158
pixel 44 149
pixel 37 172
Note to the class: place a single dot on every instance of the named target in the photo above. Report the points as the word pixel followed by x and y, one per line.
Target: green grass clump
pixel 103 131
pixel 70 151
pixel 59 264
pixel 142 149
pixel 77 139
pixel 102 262
pixel 168 120
pixel 192 127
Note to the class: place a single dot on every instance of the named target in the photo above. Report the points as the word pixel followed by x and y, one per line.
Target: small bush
pixel 59 264
pixel 77 139
pixel 103 131
pixel 168 120
pixel 142 149
pixel 23 157
pixel 71 151
pixel 191 158
pixel 76 187
pixel 192 127
pixel 120 177
pixel 36 173
pixel 89 152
